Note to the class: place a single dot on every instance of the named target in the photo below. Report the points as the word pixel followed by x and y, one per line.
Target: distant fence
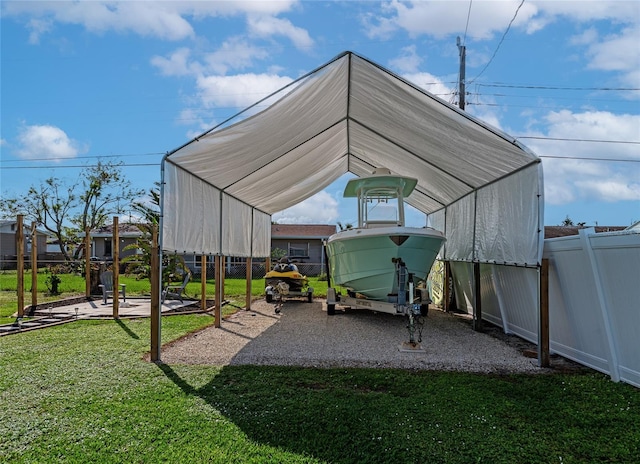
pixel 258 271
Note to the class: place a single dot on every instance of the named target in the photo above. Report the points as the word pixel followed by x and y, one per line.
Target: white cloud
pixel 177 64
pixel 47 142
pixel 268 26
pixel 321 208
pixel 162 19
pixel 440 19
pixel 235 53
pixel 580 179
pixel 239 90
pixel 618 52
pixel 409 61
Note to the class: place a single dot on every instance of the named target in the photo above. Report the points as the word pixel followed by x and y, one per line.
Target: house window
pixel 298 251
pixel 107 247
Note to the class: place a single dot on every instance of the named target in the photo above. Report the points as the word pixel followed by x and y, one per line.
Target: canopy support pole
pixel 477 300
pixel 543 329
pixel 249 276
pixel 20 263
pixel 203 282
pixel 155 296
pixel 217 310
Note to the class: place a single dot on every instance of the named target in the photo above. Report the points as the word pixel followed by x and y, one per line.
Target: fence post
pixel 446 293
pixel 605 311
pixel 477 300
pixel 203 282
pixel 249 276
pixel 115 241
pixel 34 267
pixel 87 263
pixel 20 264
pixel 217 310
pixel 155 296
pixel 543 330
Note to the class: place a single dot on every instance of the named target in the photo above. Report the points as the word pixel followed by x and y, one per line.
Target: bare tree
pixel 67 210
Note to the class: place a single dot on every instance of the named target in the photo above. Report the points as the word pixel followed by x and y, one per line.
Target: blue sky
pixel 133 80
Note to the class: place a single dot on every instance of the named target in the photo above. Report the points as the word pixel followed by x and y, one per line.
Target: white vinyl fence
pixel 594 300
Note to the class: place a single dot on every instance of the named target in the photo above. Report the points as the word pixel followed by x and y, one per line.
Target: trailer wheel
pixel 331 309
pixel 269 297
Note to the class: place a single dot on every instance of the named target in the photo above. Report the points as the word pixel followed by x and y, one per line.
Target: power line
pixel 590 159
pixel 464 38
pixel 551 87
pixel 576 140
pixel 83 157
pixel 499 44
pixel 77 166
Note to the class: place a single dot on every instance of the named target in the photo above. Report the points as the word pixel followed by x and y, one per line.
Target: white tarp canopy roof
pixel 480 186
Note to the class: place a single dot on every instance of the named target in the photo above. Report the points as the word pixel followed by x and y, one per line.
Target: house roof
pixel 564 231
pixel 124 230
pixel 5 228
pixel 307 231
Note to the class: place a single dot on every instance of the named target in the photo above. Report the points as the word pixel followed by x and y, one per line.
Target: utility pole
pixel 462 50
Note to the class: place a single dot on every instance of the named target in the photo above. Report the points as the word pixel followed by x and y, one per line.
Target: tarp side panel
pixel 459 229
pixel 507 220
pixel 436 220
pixel 261 234
pixel 184 213
pixel 297 174
pixel 236 227
pixel 228 155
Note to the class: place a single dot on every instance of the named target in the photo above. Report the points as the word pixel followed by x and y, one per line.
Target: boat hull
pixel 362 260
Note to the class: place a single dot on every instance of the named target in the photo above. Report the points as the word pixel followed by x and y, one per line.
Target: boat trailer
pixel 410 301
pixel 277 293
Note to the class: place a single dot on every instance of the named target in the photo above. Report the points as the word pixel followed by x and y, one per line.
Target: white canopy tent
pixel 480 186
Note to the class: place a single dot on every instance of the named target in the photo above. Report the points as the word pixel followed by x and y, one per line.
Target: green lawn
pixel 81 392
pixel 74 285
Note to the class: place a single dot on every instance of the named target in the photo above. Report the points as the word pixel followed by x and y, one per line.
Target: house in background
pixel 565 231
pixel 102 241
pixel 302 243
pixel 8 244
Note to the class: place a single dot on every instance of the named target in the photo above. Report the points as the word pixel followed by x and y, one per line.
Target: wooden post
pixel 87 263
pixel 155 296
pixel 267 264
pixel 203 279
pixel 20 264
pixel 217 311
pixel 34 267
pixel 115 246
pixel 223 275
pixel 477 305
pixel 249 276
pixel 446 291
pixel 543 330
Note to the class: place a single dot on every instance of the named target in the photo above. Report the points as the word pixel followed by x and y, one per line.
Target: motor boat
pixel 365 259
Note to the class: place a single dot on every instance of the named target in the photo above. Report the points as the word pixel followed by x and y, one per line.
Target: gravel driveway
pixel 304 335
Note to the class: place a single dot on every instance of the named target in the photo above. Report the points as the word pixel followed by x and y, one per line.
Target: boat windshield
pixel 381 207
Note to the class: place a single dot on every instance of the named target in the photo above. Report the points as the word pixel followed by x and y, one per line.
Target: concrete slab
pixel 133 307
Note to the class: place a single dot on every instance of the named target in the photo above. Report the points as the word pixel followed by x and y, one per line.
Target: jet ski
pixel 285 280
pixel 287 272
